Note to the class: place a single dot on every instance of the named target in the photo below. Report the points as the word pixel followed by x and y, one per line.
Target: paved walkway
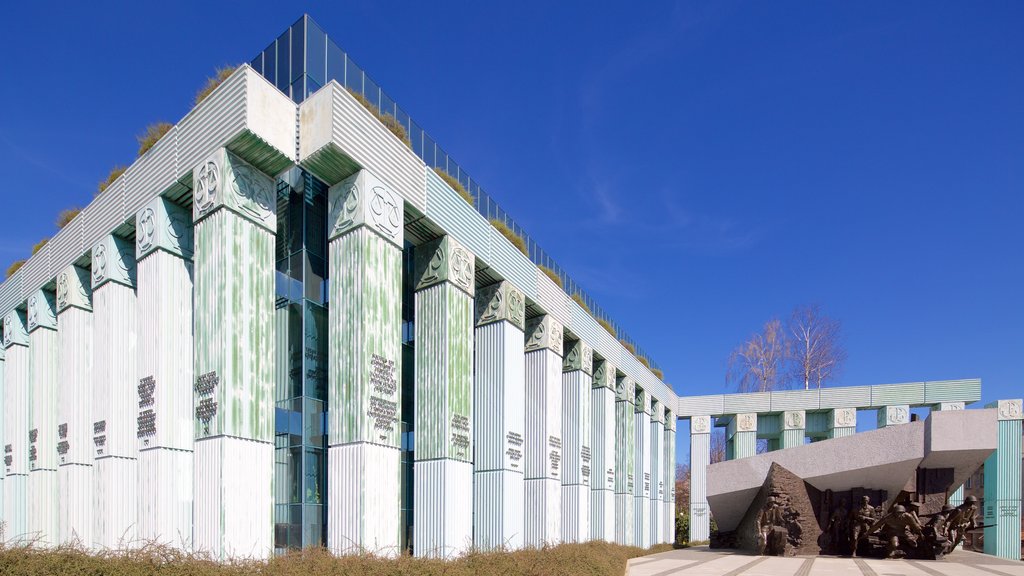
pixel 702 561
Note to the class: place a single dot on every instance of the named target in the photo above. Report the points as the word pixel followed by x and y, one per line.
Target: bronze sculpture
pixel 860 522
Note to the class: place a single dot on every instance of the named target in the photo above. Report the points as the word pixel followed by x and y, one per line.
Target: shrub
pixel 628 346
pixel 219 76
pixel 578 298
pixel 456 185
pixel 152 135
pixel 39 245
pixel 14 267
pixel 657 372
pixel 388 120
pixel 514 238
pixel 115 173
pixel 551 274
pixel 608 326
pixel 66 216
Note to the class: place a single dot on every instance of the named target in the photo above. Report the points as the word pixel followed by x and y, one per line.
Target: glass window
pixel 298 49
pixel 257 63
pixel 316 51
pixel 270 63
pixel 283 45
pixel 335 63
pixel 371 91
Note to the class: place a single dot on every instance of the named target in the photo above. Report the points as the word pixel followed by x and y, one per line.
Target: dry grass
pixel 455 185
pixel 514 238
pixel 152 135
pixel 66 216
pixel 657 372
pixel 39 245
pixel 590 559
pixel 628 346
pixel 14 267
pixel 115 173
pixel 578 298
pixel 643 360
pixel 388 120
pixel 608 327
pixel 551 274
pixel 219 76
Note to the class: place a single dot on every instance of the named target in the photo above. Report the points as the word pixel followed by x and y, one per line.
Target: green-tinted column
pixel 443 471
pixel 656 438
pixel 42 433
pixel 625 465
pixel 642 469
pixel 793 423
pixel 842 422
pixel 235 215
pixel 742 434
pixel 577 367
pixel 893 415
pixel 1003 484
pixel 602 447
pixel 17 410
pixel 365 229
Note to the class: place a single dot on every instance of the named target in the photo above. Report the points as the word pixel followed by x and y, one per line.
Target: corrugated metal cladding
pixel 670 486
pixel 364 493
pixel 498 508
pixel 889 394
pixel 16 509
pixel 234 507
pixel 744 444
pixel 642 521
pixel 444 513
pixel 67 245
pixel 817 422
pixel 220 117
pixel 115 407
pixel 1002 500
pixel 11 293
pixel 794 400
pixel 841 432
pixel 499 396
pixel 751 402
pixel 164 301
pixel 700 458
pixel 234 311
pixel 511 264
pixel 156 171
pixel 542 516
pixel 657 480
pixel 602 515
pixel 625 528
pixel 625 447
pixel 845 397
pixel 116 501
pixel 575 513
pixel 586 328
pixel 102 215
pixel 42 384
pixel 769 423
pixel 75 506
pixel 165 497
pixel 968 390
pixel 17 408
pixel 552 299
pixel 37 270
pixel 792 438
pixel 42 507
pixel 75 390
pixel 602 438
pixel 458 218
pixel 642 455
pixel 576 454
pixel 543 433
pixel 713 405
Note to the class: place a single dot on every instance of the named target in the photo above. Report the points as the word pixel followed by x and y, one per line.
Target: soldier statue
pixel 838 525
pixel 962 519
pixel 900 529
pixel 860 520
pixel 771 529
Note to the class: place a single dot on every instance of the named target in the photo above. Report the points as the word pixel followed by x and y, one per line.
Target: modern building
pixel 296 321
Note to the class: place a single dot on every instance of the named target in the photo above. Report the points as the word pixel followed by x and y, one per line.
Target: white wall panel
pixel 576 456
pixel 602 443
pixel 43 508
pixel 552 298
pixel 625 527
pixel 602 515
pixel 75 492
pixel 642 474
pixel 15 508
pixel 42 483
pixel 575 513
pixel 115 383
pixel 444 510
pixel 3 408
pixel 657 437
pixel 363 481
pixel 75 388
pixel 17 406
pixel 543 517
pixel 700 458
pixel 115 501
pixel 165 497
pixel 498 508
pixel 543 432
pixel 456 216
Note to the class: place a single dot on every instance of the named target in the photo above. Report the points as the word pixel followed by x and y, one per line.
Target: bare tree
pixel 682 488
pixel 817 354
pixel 758 365
pixel 717 445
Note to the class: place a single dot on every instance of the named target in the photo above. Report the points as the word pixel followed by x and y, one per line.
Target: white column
pixel 657 493
pixel 669 472
pixel 742 435
pixel 642 470
pixel 499 418
pixel 842 422
pixel 115 407
pixel 543 433
pixel 365 229
pixel 74 409
pixel 163 249
pixel 443 471
pixel 793 428
pixel 577 367
pixel 5 407
pixel 602 446
pixel 42 434
pixel 625 461
pixel 235 215
pixel 700 459
pixel 893 415
pixel 17 408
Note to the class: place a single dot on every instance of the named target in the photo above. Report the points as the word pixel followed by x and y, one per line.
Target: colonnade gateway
pixel 296 321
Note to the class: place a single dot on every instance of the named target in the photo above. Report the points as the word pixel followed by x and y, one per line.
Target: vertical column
pixel 3 409
pixel 443 470
pixel 625 465
pixel 42 433
pixel 700 459
pixel 74 410
pixel 842 422
pixel 235 215
pixel 893 415
pixel 957 496
pixel 17 407
pixel 365 231
pixel 742 436
pixel 577 368
pixel 115 383
pixel 669 459
pixel 164 436
pixel 642 469
pixel 543 434
pixel 793 429
pixel 657 479
pixel 602 446
pixel 499 418
pixel 1003 484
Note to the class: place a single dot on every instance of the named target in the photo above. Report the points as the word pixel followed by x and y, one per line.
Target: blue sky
pixel 699 167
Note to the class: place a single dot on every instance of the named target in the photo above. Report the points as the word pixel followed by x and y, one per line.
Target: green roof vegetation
pixel 152 135
pixel 514 238
pixel 551 274
pixel 388 120
pixel 218 78
pixel 456 185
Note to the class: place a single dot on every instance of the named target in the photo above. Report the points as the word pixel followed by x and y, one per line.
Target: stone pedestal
pixel 893 415
pixel 543 432
pixel 741 435
pixel 842 422
pixel 794 423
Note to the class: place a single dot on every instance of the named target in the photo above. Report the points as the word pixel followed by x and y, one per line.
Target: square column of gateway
pixel 365 231
pixel 499 417
pixel 793 428
pixel 443 470
pixel 17 407
pixel 700 459
pixel 235 215
pixel 163 249
pixel 577 367
pixel 115 394
pixel 602 446
pixel 642 469
pixel 74 407
pixel 669 473
pixel 42 433
pixel 3 469
pixel 657 479
pixel 1003 483
pixel 543 434
pixel 741 434
pixel 893 415
pixel 842 422
pixel 625 461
